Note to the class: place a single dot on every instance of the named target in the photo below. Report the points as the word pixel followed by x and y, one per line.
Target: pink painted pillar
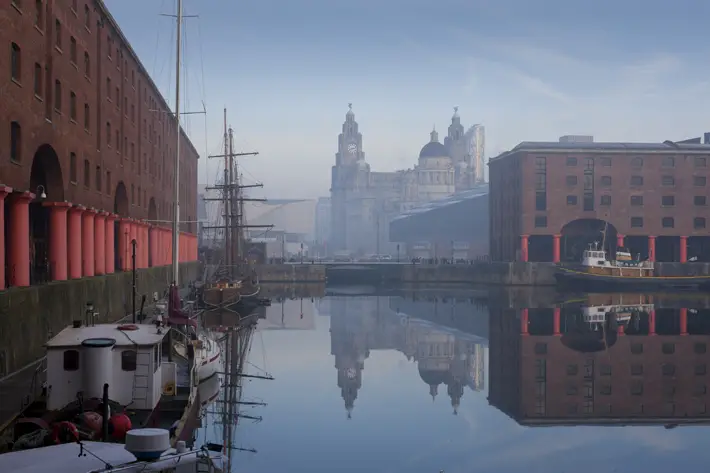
pixel 124 235
pixel 137 235
pixel 19 244
pixel 100 243
pixel 152 240
pixel 4 192
pixel 74 240
pixel 109 244
pixel 684 321
pixel 684 249
pixel 556 315
pixel 619 240
pixel 652 248
pixel 145 245
pixel 58 253
pixel 168 247
pixel 524 321
pixel 88 240
pixel 134 236
pixel 556 248
pixel 524 248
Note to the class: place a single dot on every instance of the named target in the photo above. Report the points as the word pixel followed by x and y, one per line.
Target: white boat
pixel 146 450
pixel 207 355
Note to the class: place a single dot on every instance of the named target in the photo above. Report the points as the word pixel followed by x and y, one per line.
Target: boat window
pixel 129 359
pixel 71 360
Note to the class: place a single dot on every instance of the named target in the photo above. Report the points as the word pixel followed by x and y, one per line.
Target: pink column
pixel 19 244
pixel 58 240
pixel 524 247
pixel 100 243
pixel 134 236
pixel 88 239
pixel 109 244
pixel 4 192
pixel 152 240
pixel 124 235
pixel 684 249
pixel 684 321
pixel 137 235
pixel 556 312
pixel 524 321
pixel 652 248
pixel 556 248
pixel 619 240
pixel 74 238
pixel 146 245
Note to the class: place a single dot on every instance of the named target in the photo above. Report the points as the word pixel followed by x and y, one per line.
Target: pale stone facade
pixel 363 202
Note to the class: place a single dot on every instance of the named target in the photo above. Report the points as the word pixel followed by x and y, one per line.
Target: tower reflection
pixel 445 355
pixel 622 360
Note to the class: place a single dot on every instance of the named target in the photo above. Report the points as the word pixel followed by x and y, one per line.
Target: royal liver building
pixel 363 202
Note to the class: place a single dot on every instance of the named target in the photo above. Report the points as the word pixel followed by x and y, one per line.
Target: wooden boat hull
pixel 573 276
pixel 216 296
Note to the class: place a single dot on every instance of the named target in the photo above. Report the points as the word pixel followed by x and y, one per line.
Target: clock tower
pixel 349 186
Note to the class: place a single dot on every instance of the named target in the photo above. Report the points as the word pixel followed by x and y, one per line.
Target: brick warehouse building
pixel 548 200
pixel 544 369
pixel 86 126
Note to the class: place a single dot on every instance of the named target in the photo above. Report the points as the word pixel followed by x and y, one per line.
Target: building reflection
pixel 447 358
pixel 289 314
pixel 621 360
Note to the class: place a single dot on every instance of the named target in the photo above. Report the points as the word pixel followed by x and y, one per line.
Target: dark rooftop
pixel 557 147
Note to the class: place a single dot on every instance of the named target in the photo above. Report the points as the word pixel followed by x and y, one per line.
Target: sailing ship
pixel 104 379
pixel 232 288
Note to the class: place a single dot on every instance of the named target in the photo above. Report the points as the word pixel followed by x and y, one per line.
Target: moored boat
pixel 146 450
pixel 597 272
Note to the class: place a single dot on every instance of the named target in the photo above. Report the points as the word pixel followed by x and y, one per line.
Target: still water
pixel 460 384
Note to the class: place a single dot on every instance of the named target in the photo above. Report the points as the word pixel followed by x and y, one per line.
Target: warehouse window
pixel 15 142
pixel 15 62
pixel 87 173
pixel 668 222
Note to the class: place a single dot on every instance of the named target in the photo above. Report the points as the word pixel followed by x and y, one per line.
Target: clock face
pixel 352 148
pixel 351 373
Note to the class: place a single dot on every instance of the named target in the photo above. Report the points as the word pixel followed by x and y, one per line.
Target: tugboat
pixel 597 272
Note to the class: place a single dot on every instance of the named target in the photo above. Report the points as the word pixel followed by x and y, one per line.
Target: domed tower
pixel 435 173
pixel 433 378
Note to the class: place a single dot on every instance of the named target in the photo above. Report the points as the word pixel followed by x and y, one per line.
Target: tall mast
pixel 225 195
pixel 176 183
pixel 232 204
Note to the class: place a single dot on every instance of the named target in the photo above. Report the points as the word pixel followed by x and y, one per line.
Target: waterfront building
pixel 550 200
pixel 364 202
pixel 90 145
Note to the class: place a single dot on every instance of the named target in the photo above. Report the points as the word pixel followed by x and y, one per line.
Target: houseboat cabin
pixel 126 357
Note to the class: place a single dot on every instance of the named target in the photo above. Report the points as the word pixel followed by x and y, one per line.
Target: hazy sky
pixel 622 70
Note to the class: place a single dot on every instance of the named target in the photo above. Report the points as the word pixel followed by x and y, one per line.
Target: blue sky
pixel 631 70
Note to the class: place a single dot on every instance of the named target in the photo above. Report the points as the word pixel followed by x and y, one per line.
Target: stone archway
pixel 45 178
pixel 121 208
pixel 578 234
pixel 120 200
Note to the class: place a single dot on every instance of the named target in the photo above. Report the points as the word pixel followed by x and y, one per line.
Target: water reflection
pixel 444 356
pixel 359 383
pixel 625 361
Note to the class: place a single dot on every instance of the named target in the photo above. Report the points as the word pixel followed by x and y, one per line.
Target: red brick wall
pixel 143 159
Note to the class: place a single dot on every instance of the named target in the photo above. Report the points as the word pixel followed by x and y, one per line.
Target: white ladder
pixel 140 377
